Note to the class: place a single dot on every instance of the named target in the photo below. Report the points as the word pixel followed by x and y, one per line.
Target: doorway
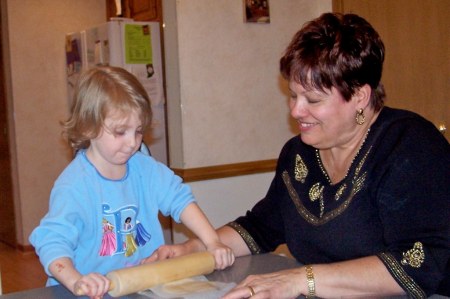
pixel 7 223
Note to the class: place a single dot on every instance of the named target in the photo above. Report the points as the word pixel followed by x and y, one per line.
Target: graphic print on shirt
pixel 122 232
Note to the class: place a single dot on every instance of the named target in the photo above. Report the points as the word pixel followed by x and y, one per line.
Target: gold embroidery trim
pixel 316 192
pixel 415 256
pixel 300 169
pixel 361 163
pixel 340 191
pixel 248 239
pixel 399 274
pixel 308 216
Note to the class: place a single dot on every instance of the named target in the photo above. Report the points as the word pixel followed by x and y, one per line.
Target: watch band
pixel 311 282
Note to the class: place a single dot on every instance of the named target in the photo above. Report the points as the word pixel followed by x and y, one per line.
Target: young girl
pixel 104 206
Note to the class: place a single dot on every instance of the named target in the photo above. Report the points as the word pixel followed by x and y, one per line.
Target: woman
pixel 361 196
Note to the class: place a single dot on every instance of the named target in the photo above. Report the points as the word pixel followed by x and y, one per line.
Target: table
pixel 243 266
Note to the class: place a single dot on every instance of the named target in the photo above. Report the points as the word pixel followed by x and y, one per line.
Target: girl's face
pixel 325 119
pixel 119 138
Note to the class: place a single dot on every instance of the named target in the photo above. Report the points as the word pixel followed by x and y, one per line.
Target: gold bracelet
pixel 310 281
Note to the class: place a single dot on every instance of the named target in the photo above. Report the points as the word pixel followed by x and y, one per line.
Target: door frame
pixel 7 212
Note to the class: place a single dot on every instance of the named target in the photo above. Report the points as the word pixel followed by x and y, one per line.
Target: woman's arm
pixel 366 276
pixel 362 277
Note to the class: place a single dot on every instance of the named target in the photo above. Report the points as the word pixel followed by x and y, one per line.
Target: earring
pixel 360 117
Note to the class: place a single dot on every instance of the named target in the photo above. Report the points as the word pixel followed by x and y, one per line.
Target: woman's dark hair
pixel 337 50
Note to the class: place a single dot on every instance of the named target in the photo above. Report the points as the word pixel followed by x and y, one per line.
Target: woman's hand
pixel 281 285
pixel 93 285
pixel 223 255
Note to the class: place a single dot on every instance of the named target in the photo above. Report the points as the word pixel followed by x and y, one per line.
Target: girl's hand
pixel 93 285
pixel 281 285
pixel 223 255
pixel 171 251
pixel 166 252
pixel 162 253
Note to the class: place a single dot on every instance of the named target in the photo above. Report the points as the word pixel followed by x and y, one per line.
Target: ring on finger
pixel 252 291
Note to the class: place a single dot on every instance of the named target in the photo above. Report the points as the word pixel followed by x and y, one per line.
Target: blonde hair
pixel 99 91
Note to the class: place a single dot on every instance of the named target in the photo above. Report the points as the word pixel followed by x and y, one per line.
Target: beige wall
pixel 38 96
pixel 227 102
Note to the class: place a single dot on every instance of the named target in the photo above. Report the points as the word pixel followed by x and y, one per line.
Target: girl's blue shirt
pixel 104 224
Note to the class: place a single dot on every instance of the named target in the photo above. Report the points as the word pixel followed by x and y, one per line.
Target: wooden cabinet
pixel 138 10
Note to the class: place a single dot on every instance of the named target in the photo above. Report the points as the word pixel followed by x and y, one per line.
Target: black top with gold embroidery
pixel 393 203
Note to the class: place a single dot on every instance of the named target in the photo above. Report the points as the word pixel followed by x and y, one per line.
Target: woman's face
pixel 325 119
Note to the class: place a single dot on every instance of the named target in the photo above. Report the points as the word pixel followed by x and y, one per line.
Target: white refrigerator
pixel 134 46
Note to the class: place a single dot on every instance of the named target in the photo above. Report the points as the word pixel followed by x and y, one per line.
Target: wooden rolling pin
pixel 134 279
